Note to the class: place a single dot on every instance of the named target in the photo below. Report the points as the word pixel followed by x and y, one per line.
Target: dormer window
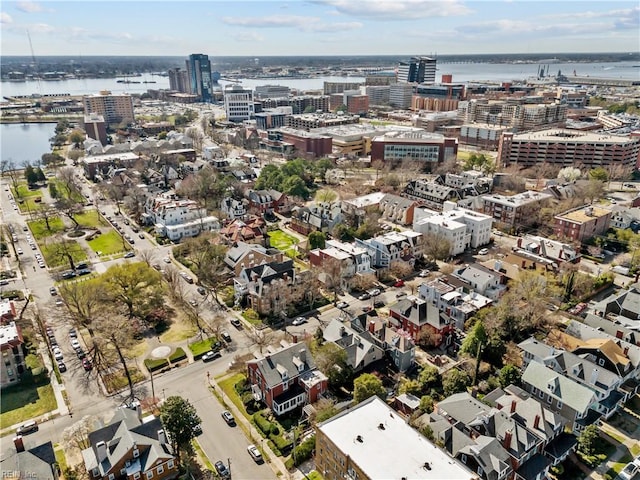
pixel 136 453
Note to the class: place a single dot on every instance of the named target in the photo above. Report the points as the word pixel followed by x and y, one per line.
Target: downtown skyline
pixel 320 27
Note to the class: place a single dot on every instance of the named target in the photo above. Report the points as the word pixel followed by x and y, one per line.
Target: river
pixel 25 142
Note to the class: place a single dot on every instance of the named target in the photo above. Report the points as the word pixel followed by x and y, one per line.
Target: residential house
pixel 604 383
pixel 626 218
pixel 397 209
pixel 252 230
pixel 393 247
pixel 246 255
pixel 582 223
pixel 471 182
pixel 622 307
pixel 360 348
pixel 37 462
pixel 372 441
pixel 546 424
pixel 8 311
pixel 547 248
pixel 431 194
pixel 317 216
pixel 451 300
pixel 573 401
pixel 363 204
pixel 515 210
pixel 233 209
pixel 12 348
pixel 417 317
pixel 178 219
pixel 130 448
pixel 268 201
pixel 275 288
pixel 339 260
pixel 483 280
pixel 287 378
pixel 474 418
pixel 244 175
pixel 96 165
pixel 613 327
pixel 397 343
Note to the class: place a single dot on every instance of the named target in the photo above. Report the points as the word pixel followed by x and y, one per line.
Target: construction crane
pixel 34 64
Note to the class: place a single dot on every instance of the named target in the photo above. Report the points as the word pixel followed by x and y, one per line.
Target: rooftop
pixel 563 136
pixel 383 445
pixel 584 214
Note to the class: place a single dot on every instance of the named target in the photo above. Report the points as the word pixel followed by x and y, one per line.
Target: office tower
pixel 178 80
pixel 96 127
pixel 199 76
pixel 114 108
pixel 417 70
pixel 238 103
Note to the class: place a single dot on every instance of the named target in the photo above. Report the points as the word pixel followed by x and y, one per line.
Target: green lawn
pixel 52 256
pixel 284 242
pixel 108 243
pixel 203 346
pixel 28 205
pixel 227 385
pixel 90 218
pixel 29 401
pixel 25 192
pixel 39 227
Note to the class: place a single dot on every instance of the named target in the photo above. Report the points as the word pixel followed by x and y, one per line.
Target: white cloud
pixel 5 18
pixel 304 24
pixel 247 37
pixel 29 7
pixel 398 9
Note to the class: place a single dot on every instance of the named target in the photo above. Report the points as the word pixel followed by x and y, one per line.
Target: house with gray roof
pixel 613 327
pixel 317 216
pixel 247 255
pixel 535 416
pixel 397 209
pixel 360 348
pixel 38 462
pixel 287 378
pixel 130 447
pixel 234 208
pixel 419 317
pixel 604 383
pixel 483 280
pixel 622 306
pixel 577 403
pixel 406 246
pixel 475 418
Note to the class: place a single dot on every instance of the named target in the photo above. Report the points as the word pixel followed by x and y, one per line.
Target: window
pixel 549 399
pixel 136 453
pixel 111 476
pixel 95 472
pixel 160 469
pixel 123 472
pixel 136 476
pixel 463 457
pixel 601 362
pixel 170 464
pixel 480 471
pixel 559 404
pixel 149 474
pixel 541 394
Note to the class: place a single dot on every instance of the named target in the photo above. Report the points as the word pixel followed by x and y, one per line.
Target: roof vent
pixel 381 426
pixel 359 439
pixel 427 466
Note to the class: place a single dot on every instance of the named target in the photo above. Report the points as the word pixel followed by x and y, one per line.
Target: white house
pixel 178 219
pixel 393 246
pixel 483 280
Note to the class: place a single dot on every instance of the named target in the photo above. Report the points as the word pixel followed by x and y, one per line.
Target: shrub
pixel 242 386
pixel 262 423
pixel 281 443
pixel 303 452
pixel 155 364
pixel 274 429
pixel 177 355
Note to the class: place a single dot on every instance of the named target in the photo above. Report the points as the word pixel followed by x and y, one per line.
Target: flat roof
pixel 563 136
pixel 383 445
pixel 582 214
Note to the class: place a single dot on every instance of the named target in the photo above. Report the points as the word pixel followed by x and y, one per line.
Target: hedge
pixel 262 423
pixel 302 452
pixel 155 364
pixel 281 443
pixel 177 355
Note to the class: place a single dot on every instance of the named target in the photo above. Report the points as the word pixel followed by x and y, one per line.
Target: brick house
pixel 287 378
pixel 128 448
pixel 415 315
pixel 582 223
pixel 268 201
pixel 12 348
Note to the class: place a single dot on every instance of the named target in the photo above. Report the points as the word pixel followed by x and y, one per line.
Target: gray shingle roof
pixel 37 462
pixel 272 365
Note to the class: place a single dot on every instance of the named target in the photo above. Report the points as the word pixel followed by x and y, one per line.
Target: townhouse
pixel 361 350
pixel 13 358
pixel 36 462
pixel 393 247
pixel 317 216
pixel 483 280
pixel 582 223
pixel 418 318
pixel 177 219
pixel 397 209
pixel 340 261
pixel 396 342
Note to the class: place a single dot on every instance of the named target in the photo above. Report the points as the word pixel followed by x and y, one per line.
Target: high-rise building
pixel 96 127
pixel 178 80
pixel 199 76
pixel 238 103
pixel 417 70
pixel 114 108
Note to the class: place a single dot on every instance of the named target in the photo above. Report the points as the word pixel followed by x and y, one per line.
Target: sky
pixel 318 27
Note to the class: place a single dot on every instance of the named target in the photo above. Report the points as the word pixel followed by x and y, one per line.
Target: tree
pixel 84 301
pixel 316 240
pixel 599 174
pixel 30 175
pixel 326 196
pixel 429 378
pixel 473 345
pixel 455 381
pixel 569 174
pixel 509 375
pixel 76 436
pixel 332 361
pixel 295 186
pixel 76 137
pixel 135 286
pixel 436 246
pixel 260 338
pixel 52 159
pixel 426 403
pixel 179 418
pixel 588 440
pixel 593 190
pixel 367 385
pixel 75 155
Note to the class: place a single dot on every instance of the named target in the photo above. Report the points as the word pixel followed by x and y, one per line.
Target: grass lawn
pixel 617 467
pixel 284 242
pixel 635 450
pixel 28 205
pixel 90 218
pixel 53 257
pixel 227 386
pixel 108 243
pixel 25 192
pixel 39 227
pixel 314 475
pixel 203 346
pixel 60 456
pixel 179 330
pixel 117 381
pixel 616 436
pixel 28 401
pixel 201 455
pixel 137 350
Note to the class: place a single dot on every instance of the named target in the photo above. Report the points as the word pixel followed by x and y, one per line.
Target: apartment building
pixel 565 148
pixel 356 103
pixel 400 95
pixel 308 121
pixel 371 441
pixel 339 87
pixel 238 103
pixel 349 259
pixel 393 247
pixel 11 346
pixel 514 210
pixel 115 109
pixel 96 127
pixel 272 118
pixel 307 143
pixel 378 95
pixel 582 223
pixel 482 135
pixel 517 115
pixel 428 149
pixel 178 219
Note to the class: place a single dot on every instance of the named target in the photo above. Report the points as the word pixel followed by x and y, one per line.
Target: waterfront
pixel 461 72
pixel 24 142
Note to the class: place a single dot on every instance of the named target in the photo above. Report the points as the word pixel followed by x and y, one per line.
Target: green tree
pixel 429 378
pixel 588 439
pixel 474 343
pixel 455 381
pixel 599 174
pixel 426 403
pixel 509 375
pixel 179 418
pixel 332 361
pixel 162 135
pixel 367 385
pixel 295 186
pixel 31 175
pixel 51 159
pixel 317 240
pixel 76 137
pixel 135 286
pixel 412 387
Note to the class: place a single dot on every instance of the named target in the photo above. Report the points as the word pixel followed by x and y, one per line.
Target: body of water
pixel 462 72
pixel 25 142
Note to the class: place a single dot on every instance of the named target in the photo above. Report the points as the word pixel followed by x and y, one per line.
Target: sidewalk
pixel 622 449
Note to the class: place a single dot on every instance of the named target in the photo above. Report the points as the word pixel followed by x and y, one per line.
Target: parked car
pixel 364 296
pixel 342 305
pixel 483 251
pixel 27 428
pixel 255 453
pixel 58 355
pixel 197 430
pixel 166 260
pixel 141 235
pixel 53 291
pixel 73 333
pixel 299 321
pixel 225 336
pixel 228 417
pixel 62 367
pixel 75 344
pixel 236 323
pixel 201 290
pixel 222 470
pixel 374 292
pixel 86 364
pixel 186 277
pixel 399 283
pixel 129 255
pixel 211 355
pixel 401 294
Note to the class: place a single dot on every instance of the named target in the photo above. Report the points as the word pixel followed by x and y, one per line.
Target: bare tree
pixel 61 248
pixel 76 436
pixel 400 268
pixel 197 136
pixel 134 202
pixel 436 246
pixel 84 301
pixel 147 256
pixel 260 338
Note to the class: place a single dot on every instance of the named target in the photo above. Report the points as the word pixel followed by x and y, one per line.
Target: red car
pixel 399 283
pixel 86 363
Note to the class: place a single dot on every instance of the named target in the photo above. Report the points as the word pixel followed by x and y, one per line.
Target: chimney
pixel 536 422
pixel 162 438
pixel 372 326
pixel 19 443
pixel 101 451
pixel 294 338
pixel 594 376
pixel 506 443
pixel 513 406
pixel 302 354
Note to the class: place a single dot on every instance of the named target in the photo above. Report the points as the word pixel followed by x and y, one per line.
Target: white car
pixel 20 252
pixel 255 453
pixel 299 321
pixel 58 355
pixel 75 344
pixel 483 251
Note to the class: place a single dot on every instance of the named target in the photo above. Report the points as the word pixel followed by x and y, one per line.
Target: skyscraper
pixel 199 76
pixel 178 80
pixel 417 70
